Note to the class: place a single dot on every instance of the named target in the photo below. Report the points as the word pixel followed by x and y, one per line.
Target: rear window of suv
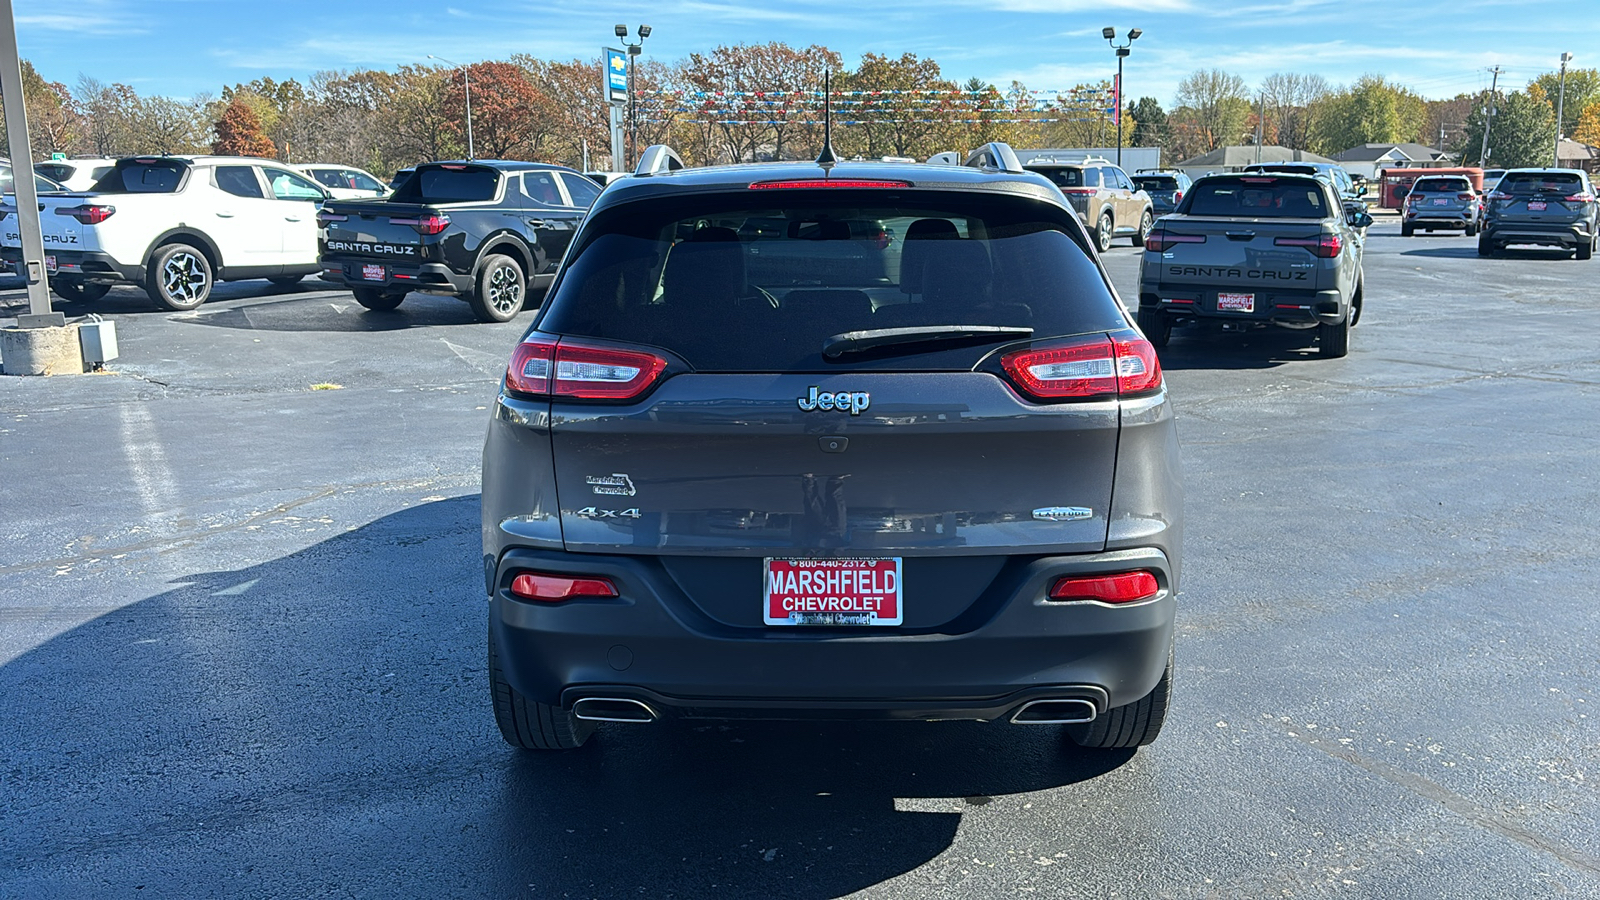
pixel 449 184
pixel 1541 183
pixel 1262 197
pixel 1061 176
pixel 154 177
pixel 733 285
pixel 1441 185
pixel 1156 182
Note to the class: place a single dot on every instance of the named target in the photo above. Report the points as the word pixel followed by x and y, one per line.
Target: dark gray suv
pixel 1548 207
pixel 754 460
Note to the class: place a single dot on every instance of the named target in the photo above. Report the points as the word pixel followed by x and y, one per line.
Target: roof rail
pixel 996 155
pixel 947 158
pixel 658 159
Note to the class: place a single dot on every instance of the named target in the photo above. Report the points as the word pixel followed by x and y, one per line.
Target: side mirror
pixel 1360 220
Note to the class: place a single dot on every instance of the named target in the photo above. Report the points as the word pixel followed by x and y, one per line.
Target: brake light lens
pixel 1095 367
pixel 1584 197
pixel 432 224
pixel 1466 196
pixel 1158 240
pixel 553 588
pixel 825 183
pixel 324 217
pixel 1327 246
pixel 88 213
pixel 551 367
pixel 1127 587
pixel 1177 196
pixel 1079 191
pixel 1497 195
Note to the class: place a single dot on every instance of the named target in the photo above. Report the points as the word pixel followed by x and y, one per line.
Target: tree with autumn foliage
pixel 239 132
pixel 1588 131
pixel 511 117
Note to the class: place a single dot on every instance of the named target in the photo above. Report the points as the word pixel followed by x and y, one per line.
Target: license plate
pixel 50 264
pixel 373 273
pixel 1536 205
pixel 1236 302
pixel 1441 201
pixel 833 592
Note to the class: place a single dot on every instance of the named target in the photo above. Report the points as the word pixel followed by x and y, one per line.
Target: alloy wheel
pixel 505 288
pixel 184 277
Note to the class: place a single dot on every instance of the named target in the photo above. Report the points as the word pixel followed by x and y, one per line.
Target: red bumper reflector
pixel 540 586
pixel 1126 587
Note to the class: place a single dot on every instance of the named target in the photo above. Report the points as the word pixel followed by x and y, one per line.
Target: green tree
pixel 1372 111
pixel 1150 129
pixel 1583 88
pixel 1211 111
pixel 1521 133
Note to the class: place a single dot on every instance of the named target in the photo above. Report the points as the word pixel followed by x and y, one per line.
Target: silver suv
pixel 1103 195
pixel 1442 201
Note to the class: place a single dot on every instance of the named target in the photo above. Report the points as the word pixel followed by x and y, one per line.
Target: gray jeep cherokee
pixel 757 459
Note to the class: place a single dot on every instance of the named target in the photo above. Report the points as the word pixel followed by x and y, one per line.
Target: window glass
pixel 361 181
pixel 1062 177
pixel 1441 185
pixel 451 183
pixel 1121 179
pixel 731 286
pixel 1541 183
pixel 583 190
pixel 239 181
pixel 1265 197
pixel 287 185
pixel 158 176
pixel 328 178
pixel 540 187
pixel 1156 182
pixel 54 170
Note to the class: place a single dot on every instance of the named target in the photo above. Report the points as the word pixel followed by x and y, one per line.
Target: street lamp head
pixel 644 32
pixel 1133 33
pixel 1108 33
pixel 621 30
pixel 1566 58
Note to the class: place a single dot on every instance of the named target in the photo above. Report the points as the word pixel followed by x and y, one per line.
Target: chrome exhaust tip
pixel 1054 712
pixel 613 709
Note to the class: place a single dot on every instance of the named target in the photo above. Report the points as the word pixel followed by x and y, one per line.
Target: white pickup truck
pixel 176 225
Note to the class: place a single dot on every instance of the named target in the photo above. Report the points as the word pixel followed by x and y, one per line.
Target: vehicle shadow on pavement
pixel 320 723
pixel 1470 251
pixel 1264 349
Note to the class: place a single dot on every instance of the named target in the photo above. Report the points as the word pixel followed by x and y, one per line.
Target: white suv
pixel 345 182
pixel 77 174
pixel 176 225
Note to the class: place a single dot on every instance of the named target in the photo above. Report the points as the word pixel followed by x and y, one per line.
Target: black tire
pixel 1103 232
pixel 1155 324
pixel 501 290
pixel 1333 341
pixel 1145 221
pixel 1472 229
pixel 1407 230
pixel 1485 246
pixel 179 277
pixel 377 299
pixel 78 291
pixel 1584 251
pixel 1134 725
pixel 528 724
pixel 285 281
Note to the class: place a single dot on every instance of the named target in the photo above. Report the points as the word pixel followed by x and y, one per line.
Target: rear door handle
pixel 291 218
pixel 224 215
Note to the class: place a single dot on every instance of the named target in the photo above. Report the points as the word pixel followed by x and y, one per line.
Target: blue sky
pixel 180 47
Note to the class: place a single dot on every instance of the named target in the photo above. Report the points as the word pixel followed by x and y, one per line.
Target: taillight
pixel 1127 587
pixel 1584 197
pixel 1093 367
pixel 1080 192
pixel 1157 240
pixel 1497 195
pixel 431 224
pixel 550 588
pixel 1466 196
pixel 825 183
pixel 88 213
pixel 1177 196
pixel 324 217
pixel 547 366
pixel 1326 246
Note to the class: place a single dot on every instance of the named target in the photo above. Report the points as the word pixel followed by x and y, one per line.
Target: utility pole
pixel 30 263
pixel 1261 118
pixel 1488 118
pixel 1561 105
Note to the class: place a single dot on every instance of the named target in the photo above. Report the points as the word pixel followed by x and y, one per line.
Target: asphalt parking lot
pixel 242 634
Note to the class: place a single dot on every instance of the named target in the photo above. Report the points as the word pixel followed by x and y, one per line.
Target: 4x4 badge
pixel 853 402
pixel 1063 513
pixel 589 512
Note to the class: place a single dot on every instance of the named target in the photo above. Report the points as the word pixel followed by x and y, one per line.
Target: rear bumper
pixel 1289 309
pixel 1553 235
pixel 1442 219
pixel 653 644
pixel 88 266
pixel 432 277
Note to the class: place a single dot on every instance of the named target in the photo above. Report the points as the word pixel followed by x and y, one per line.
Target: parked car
pixel 1248 251
pixel 1165 187
pixel 1442 201
pixel 77 173
pixel 1103 195
pixel 1547 207
pixel 400 178
pixel 1491 177
pixel 605 178
pixel 41 183
pixel 484 231
pixel 345 182
pixel 1351 195
pixel 756 514
pixel 177 225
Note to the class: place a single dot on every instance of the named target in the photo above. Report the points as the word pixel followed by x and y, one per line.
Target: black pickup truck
pixel 486 231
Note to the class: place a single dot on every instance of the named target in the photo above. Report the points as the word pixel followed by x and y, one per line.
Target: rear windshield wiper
pixel 908 339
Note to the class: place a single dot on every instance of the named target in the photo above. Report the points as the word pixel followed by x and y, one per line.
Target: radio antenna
pixel 826 159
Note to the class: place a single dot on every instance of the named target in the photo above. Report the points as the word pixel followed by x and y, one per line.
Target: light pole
pixel 1561 104
pixel 634 49
pixel 466 81
pixel 1110 34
